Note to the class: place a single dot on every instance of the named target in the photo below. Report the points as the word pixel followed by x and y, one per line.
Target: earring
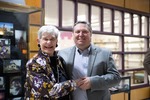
pixel 39 45
pixel 56 45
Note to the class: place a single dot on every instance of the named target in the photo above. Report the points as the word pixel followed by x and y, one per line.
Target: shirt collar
pixel 86 51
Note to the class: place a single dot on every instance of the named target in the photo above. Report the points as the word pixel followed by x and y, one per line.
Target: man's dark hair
pixel 83 22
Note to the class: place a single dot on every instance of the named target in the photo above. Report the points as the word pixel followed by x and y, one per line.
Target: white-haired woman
pixel 46 78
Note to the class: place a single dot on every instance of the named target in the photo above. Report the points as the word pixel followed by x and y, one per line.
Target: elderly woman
pixel 46 78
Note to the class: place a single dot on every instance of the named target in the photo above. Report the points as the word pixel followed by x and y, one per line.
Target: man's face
pixel 82 36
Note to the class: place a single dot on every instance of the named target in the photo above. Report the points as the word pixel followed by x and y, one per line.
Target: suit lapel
pixel 92 57
pixel 71 60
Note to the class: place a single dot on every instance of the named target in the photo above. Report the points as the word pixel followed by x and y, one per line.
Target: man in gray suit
pixel 94 66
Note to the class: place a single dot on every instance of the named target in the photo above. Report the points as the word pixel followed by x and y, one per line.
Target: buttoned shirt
pixel 80 70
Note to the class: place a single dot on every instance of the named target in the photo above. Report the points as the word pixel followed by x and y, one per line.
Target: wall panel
pixel 119 3
pixel 118 96
pixel 32 54
pixel 140 94
pixel 34 3
pixel 33 38
pixel 35 18
pixel 140 5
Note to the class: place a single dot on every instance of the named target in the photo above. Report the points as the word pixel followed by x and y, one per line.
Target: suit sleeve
pixel 109 75
pixel 146 62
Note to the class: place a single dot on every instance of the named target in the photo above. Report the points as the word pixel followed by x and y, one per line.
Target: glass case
pixel 123 86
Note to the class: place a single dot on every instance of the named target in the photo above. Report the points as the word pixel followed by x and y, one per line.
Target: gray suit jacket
pixel 146 62
pixel 101 70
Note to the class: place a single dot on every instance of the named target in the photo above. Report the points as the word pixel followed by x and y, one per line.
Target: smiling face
pixel 82 36
pixel 47 43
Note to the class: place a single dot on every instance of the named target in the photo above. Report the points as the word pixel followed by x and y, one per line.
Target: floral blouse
pixel 44 82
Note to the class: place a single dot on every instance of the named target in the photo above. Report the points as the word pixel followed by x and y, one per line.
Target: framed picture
pixel 2 96
pixel 5 48
pixel 6 29
pixel 11 66
pixel 21 41
pixel 2 83
pixel 15 86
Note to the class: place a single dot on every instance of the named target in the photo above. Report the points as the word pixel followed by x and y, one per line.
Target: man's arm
pixel 146 62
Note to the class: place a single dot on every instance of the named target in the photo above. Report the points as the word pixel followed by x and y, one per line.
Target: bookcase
pixel 14 49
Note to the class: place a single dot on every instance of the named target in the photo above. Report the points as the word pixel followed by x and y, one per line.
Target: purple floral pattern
pixel 40 80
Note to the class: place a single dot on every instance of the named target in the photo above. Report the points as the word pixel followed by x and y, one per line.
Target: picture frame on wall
pixel 2 83
pixel 12 66
pixel 21 40
pixel 6 29
pixel 5 48
pixel 15 86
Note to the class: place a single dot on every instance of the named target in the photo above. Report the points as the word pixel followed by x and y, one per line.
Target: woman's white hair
pixel 48 29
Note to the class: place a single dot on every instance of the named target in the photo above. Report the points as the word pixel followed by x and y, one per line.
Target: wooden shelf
pixel 11 7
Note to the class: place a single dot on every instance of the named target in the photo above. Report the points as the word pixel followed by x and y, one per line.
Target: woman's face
pixel 48 43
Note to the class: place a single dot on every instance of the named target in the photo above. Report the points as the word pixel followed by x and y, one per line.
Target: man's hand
pixel 84 83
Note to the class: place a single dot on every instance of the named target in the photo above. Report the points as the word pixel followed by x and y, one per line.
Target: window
pixel 95 18
pixel 127 23
pixel 67 14
pixel 51 12
pixel 133 61
pixel 82 12
pixel 133 44
pixel 108 41
pixel 144 26
pixel 117 22
pixel 118 61
pixel 136 24
pixel 107 22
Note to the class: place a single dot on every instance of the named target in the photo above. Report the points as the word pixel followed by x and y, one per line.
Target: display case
pixel 14 49
pixel 123 86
